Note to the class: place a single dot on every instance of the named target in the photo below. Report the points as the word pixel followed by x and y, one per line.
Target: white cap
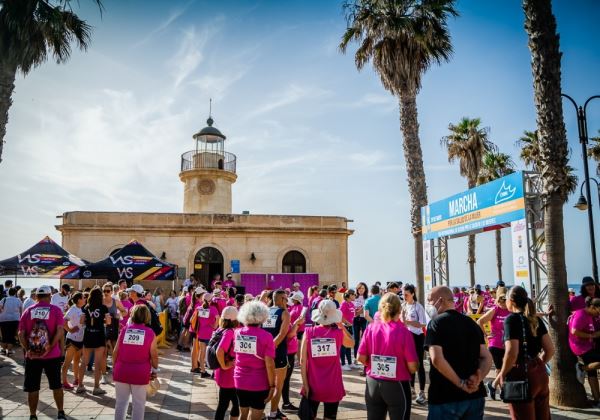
pixel 327 313
pixel 43 290
pixel 199 290
pixel 185 289
pixel 297 296
pixel 207 297
pixel 137 288
pixel 230 313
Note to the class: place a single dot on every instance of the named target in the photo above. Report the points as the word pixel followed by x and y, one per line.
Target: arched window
pixel 293 262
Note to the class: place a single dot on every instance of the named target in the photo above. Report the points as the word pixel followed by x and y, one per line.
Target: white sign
pixel 427 264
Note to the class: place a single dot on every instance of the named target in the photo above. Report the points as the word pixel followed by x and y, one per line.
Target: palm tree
pixel 403 38
pixel 468 143
pixel 30 31
pixel 529 144
pixel 496 165
pixel 540 25
pixel 594 151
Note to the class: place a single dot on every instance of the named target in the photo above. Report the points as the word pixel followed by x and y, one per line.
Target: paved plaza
pixel 184 395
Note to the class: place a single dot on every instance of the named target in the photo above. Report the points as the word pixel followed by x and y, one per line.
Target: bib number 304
pixel 245 344
pixel 383 366
pixel 135 337
pixel 323 347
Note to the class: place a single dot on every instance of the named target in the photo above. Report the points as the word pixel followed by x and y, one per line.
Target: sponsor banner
pixel 520 253
pixel 427 264
pixel 497 202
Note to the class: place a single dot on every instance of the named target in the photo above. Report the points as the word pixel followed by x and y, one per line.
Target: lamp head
pixel 582 203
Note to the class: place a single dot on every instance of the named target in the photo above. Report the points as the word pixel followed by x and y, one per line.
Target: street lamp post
pixel 583 139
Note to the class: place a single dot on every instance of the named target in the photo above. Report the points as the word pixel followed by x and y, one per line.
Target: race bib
pixel 271 322
pixel 40 313
pixel 203 313
pixel 134 336
pixel 323 347
pixel 383 366
pixel 245 344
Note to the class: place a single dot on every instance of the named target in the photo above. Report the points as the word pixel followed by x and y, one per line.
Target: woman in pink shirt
pixel 388 351
pixel 348 310
pixel 136 359
pixel 496 317
pixel 204 321
pixel 588 288
pixel 582 333
pixel 321 369
pixel 226 358
pixel 254 371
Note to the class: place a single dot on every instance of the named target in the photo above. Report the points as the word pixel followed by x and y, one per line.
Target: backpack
pixel 154 321
pixel 212 347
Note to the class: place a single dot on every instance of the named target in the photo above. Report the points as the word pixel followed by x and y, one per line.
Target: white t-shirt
pixel 28 302
pixel 73 315
pixel 172 303
pixel 359 303
pixel 415 312
pixel 60 301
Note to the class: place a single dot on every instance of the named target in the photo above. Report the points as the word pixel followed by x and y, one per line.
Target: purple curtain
pixel 253 282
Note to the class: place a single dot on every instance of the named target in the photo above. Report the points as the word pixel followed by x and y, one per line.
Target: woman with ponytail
pixel 527 349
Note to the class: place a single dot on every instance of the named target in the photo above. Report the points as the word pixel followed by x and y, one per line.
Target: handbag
pixel 305 411
pixel 517 391
pixel 152 387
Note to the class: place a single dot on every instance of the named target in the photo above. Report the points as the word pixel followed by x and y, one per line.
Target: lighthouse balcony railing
pixel 198 159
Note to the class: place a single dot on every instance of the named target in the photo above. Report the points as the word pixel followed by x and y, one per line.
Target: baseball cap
pixel 199 290
pixel 207 297
pixel 137 288
pixel 230 313
pixel 43 290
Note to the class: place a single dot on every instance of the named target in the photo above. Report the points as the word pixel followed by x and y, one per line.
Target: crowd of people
pixel 251 345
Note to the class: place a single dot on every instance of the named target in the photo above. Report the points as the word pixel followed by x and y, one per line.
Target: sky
pixel 312 135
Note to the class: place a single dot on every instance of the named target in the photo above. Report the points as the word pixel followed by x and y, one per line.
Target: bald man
pixel 459 358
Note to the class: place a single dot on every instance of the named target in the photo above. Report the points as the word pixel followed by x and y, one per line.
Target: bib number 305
pixel 135 337
pixel 383 366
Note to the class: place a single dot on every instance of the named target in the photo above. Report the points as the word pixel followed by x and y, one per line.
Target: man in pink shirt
pixel 40 332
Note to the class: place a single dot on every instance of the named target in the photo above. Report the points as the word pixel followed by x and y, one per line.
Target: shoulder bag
pixel 518 391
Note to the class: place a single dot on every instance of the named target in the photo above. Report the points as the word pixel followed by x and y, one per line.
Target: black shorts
pixel 33 373
pixel 77 344
pixel 252 399
pixel 94 339
pixel 497 356
pixel 281 360
pixel 592 356
pixel 8 329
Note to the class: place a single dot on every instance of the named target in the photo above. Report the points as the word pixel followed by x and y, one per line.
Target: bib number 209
pixel 135 337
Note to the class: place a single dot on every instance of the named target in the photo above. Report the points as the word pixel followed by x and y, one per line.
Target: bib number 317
pixel 135 337
pixel 383 366
pixel 323 347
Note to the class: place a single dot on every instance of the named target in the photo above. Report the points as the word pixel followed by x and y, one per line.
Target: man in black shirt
pixel 460 360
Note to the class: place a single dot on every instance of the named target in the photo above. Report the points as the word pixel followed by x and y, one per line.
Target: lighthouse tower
pixel 207 173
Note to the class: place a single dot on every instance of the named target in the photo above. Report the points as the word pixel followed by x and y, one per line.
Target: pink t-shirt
pixel 577 303
pixel 459 302
pixel 133 364
pixel 228 283
pixel 496 337
pixel 389 347
pixel 224 377
pixel 252 345
pixel 127 305
pixel 205 322
pixel 347 308
pixel 582 321
pixel 295 313
pixel 220 304
pixel 36 320
pixel 324 369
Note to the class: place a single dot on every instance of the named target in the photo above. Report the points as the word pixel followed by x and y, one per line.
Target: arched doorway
pixel 293 262
pixel 208 262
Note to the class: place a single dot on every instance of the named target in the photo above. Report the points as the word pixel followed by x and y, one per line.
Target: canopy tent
pixel 133 262
pixel 44 259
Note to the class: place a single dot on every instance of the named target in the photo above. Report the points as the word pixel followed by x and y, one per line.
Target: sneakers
pixel 346 368
pixel 356 366
pixel 491 390
pixel 33 417
pixel 197 370
pixel 67 385
pixel 580 373
pixel 80 389
pixel 205 375
pixel 61 415
pixel 289 407
pixel 98 391
pixel 106 380
pixel 421 400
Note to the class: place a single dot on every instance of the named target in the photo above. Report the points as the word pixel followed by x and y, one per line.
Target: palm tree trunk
pixel 417 188
pixel 499 252
pixel 540 26
pixel 8 73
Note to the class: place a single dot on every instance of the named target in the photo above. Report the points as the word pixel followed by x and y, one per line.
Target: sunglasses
pixel 107 291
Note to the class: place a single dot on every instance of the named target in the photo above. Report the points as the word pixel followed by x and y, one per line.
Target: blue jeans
pixel 461 410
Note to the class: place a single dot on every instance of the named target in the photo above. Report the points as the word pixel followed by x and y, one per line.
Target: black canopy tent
pixel 46 259
pixel 133 262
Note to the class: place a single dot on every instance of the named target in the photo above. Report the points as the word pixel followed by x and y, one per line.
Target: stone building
pixel 207 239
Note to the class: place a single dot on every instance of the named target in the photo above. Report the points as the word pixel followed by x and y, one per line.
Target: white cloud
pixel 162 26
pixel 291 94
